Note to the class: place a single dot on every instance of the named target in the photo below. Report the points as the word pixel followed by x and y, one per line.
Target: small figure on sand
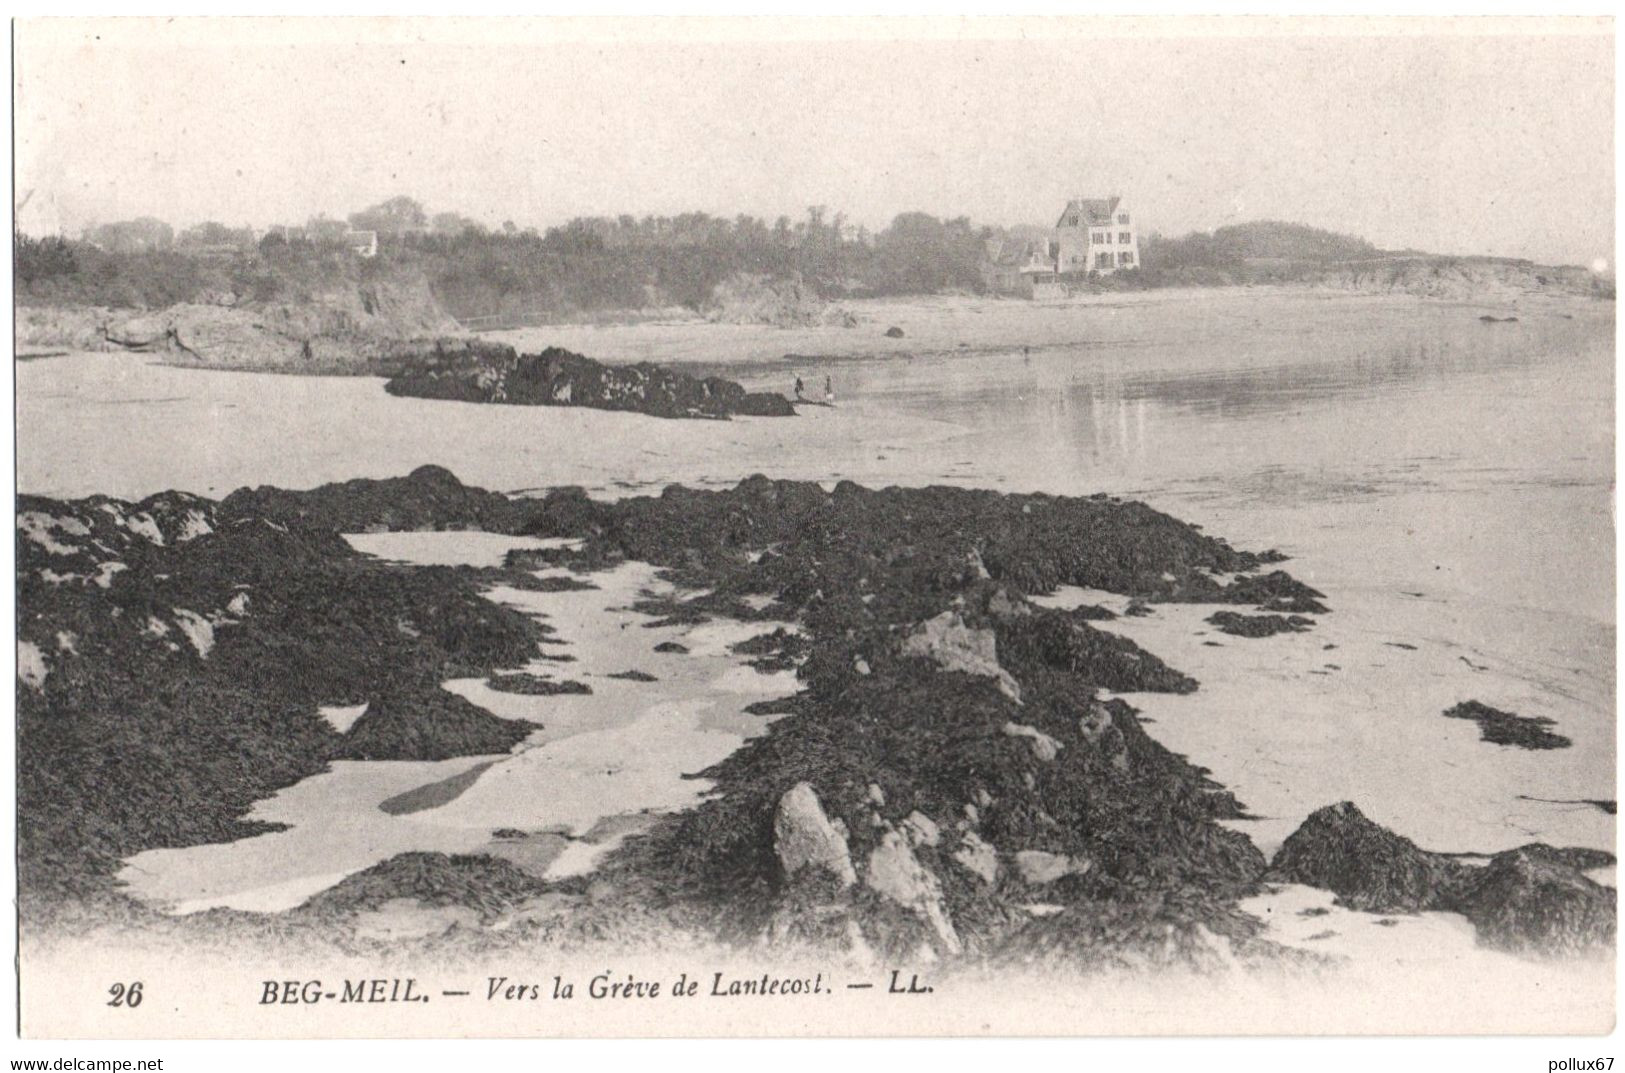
pixel 800 390
pixel 829 391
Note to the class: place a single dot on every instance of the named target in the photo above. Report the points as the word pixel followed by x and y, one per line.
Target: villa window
pixel 1125 258
pixel 1123 219
pixel 1103 260
pixel 1125 238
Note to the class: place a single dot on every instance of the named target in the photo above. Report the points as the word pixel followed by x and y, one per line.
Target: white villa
pixel 1096 234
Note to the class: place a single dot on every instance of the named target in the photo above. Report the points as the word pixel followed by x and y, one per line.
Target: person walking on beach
pixel 800 390
pixel 829 391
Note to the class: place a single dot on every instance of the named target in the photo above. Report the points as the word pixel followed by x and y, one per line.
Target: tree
pixel 42 258
pixel 453 224
pixel 208 233
pixel 323 228
pixel 133 236
pixel 920 254
pixel 392 217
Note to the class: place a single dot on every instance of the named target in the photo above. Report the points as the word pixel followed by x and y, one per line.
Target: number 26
pixel 125 996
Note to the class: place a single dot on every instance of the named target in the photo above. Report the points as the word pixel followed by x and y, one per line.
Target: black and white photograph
pixel 807 527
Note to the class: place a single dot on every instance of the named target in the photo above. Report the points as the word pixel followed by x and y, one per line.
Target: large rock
pixel 954 646
pixel 1530 903
pixel 1367 866
pixel 979 858
pixel 1530 900
pixel 896 873
pixel 804 837
pixel 921 829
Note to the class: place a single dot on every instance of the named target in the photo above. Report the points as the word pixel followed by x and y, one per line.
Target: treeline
pixel 1257 240
pixel 1257 252
pixel 506 273
pixel 489 276
pixel 63 272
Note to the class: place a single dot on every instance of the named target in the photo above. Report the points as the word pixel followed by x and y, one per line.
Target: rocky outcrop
pixel 428 498
pixel 301 621
pixel 1062 641
pixel 953 646
pixel 780 302
pixel 1530 900
pixel 1461 279
pixel 805 838
pixel 558 377
pixel 177 652
pixel 921 829
pixel 358 326
pixel 1368 866
pixel 895 873
pixel 428 725
pixel 978 857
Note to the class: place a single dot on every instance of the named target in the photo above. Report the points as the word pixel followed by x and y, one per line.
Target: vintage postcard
pixel 620 527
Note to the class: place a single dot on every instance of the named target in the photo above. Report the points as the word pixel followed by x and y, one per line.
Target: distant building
pixel 1013 265
pixel 1096 234
pixel 363 243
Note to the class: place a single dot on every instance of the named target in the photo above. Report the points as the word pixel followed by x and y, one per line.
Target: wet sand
pixel 596 763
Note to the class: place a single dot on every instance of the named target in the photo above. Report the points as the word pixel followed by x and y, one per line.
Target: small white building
pixel 362 243
pixel 1096 234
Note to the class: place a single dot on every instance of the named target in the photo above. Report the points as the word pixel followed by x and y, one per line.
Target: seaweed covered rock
pixel 1530 900
pixel 535 685
pixel 1060 640
pixel 1240 625
pixel 1506 728
pixel 920 713
pixel 1188 931
pixel 428 724
pixel 177 653
pixel 780 650
pixel 488 884
pixel 796 540
pixel 1366 865
pixel 1534 903
pixel 430 497
pixel 558 377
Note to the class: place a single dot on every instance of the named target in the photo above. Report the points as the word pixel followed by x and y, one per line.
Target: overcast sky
pixel 1497 142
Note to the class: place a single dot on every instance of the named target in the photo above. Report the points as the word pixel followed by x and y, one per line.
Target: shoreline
pixel 931 325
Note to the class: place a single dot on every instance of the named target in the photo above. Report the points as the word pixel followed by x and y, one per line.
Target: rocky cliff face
pixel 346 328
pixel 1461 279
pixel 782 303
